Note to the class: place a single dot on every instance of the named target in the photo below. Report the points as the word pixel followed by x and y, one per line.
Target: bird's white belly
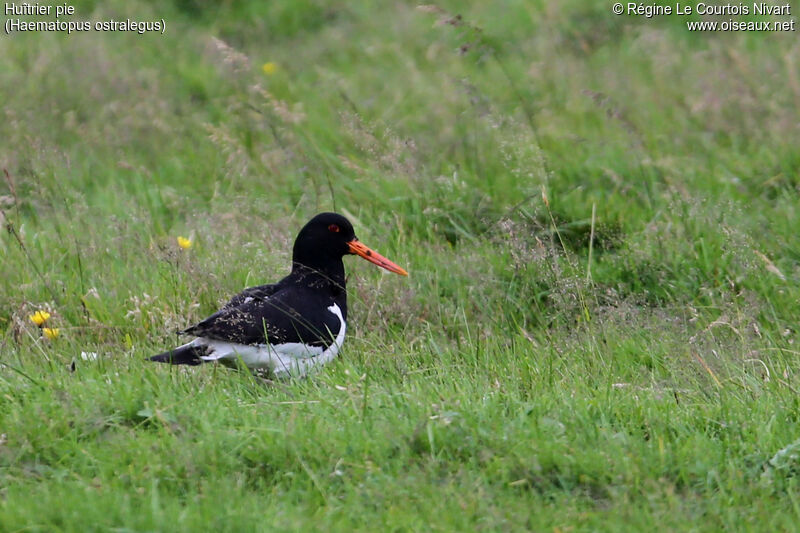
pixel 289 359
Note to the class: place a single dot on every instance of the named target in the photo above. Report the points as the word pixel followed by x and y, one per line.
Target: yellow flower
pixel 269 68
pixel 50 333
pixel 39 317
pixel 184 243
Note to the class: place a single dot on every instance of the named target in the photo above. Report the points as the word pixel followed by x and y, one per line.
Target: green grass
pixel 600 219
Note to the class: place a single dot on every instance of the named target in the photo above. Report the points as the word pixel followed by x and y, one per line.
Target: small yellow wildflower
pixel 184 243
pixel 50 333
pixel 269 68
pixel 39 317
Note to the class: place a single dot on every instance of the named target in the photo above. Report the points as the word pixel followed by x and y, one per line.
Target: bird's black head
pixel 325 235
pixel 328 237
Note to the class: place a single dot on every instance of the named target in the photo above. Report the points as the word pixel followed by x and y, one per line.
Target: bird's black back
pixel 292 310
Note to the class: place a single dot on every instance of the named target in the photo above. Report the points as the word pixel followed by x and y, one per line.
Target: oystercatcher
pixel 286 328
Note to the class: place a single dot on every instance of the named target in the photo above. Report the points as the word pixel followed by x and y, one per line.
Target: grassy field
pixel 599 214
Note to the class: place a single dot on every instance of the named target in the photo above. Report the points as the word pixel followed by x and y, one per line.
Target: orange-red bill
pixel 372 256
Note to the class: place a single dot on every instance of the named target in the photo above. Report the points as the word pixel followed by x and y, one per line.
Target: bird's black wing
pixel 260 292
pixel 272 319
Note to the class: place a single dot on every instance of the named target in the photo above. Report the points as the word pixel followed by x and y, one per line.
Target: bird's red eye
pixel 333 228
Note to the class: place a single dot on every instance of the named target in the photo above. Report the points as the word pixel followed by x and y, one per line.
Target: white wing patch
pixel 290 359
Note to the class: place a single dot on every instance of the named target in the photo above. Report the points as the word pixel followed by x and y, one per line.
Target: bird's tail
pixel 188 354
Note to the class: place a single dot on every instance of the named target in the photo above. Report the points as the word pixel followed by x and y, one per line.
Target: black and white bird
pixel 286 328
